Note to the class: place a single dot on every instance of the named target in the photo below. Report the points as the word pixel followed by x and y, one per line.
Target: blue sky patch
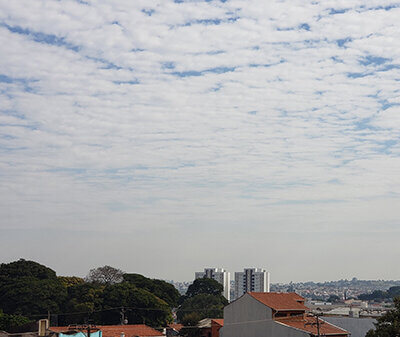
pixel 217 70
pixel 334 11
pixel 148 12
pixel 373 60
pixel 343 42
pixel 39 37
pixel 305 26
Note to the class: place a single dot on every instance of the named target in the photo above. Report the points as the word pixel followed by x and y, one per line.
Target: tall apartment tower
pixel 251 279
pixel 220 275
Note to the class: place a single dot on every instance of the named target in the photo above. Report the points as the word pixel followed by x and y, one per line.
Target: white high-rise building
pixel 251 279
pixel 220 275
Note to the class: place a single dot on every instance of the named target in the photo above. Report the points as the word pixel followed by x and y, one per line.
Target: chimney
pixel 43 326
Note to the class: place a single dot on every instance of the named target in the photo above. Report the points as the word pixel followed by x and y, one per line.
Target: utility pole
pixel 317 323
pixel 122 313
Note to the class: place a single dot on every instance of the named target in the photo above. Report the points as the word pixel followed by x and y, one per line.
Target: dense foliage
pixel 204 286
pixel 8 322
pixel 141 305
pixel 31 289
pixel 203 299
pixel 380 295
pixel 190 322
pixel 28 288
pixel 161 289
pixel 204 305
pixel 388 325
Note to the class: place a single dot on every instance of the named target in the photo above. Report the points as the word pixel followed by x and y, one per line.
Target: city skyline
pixel 160 137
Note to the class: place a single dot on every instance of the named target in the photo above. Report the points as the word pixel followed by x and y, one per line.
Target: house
pixel 258 314
pixel 204 327
pixel 216 325
pixel 129 330
pixel 173 330
pixel 77 331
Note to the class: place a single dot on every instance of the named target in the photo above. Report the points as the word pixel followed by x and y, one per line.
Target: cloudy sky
pixel 162 137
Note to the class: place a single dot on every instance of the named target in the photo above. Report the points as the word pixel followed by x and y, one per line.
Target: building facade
pixel 251 279
pixel 274 315
pixel 220 275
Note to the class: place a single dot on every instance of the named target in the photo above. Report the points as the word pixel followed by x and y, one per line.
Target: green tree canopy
pixel 23 268
pixel 380 295
pixel 388 325
pixel 161 289
pixel 140 305
pixel 204 305
pixel 394 292
pixel 333 298
pixel 190 322
pixel 28 288
pixel 204 286
pixel 69 281
pixel 84 303
pixel 8 322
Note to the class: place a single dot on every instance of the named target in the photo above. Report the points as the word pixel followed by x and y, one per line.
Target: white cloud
pixel 268 115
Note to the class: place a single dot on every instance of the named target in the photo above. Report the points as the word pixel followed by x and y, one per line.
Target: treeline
pixel 30 291
pixel 380 295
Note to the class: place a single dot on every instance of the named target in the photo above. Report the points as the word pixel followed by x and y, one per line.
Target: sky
pixel 162 137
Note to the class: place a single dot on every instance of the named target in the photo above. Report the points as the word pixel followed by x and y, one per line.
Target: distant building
pixel 251 279
pixel 220 275
pixel 274 315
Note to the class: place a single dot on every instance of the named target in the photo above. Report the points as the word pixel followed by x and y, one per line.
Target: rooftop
pixel 309 324
pixel 281 301
pixel 130 330
pixel 218 321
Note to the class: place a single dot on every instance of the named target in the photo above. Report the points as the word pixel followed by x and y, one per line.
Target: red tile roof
pixel 308 324
pixel 219 321
pixel 281 301
pixel 176 326
pixel 130 330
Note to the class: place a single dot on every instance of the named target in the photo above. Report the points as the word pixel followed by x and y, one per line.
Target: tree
pixel 23 268
pixel 29 288
pixel 204 305
pixel 333 298
pixel 105 275
pixel 8 322
pixel 190 322
pixel 70 281
pixel 204 286
pixel 161 289
pixel 388 325
pixel 140 306
pixel 393 292
pixel 85 301
pixel 376 295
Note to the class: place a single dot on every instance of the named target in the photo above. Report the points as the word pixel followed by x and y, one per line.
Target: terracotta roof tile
pixel 176 326
pixel 130 330
pixel 308 324
pixel 219 321
pixel 281 301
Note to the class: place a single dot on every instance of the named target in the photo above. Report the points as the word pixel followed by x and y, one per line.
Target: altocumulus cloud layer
pixel 218 123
